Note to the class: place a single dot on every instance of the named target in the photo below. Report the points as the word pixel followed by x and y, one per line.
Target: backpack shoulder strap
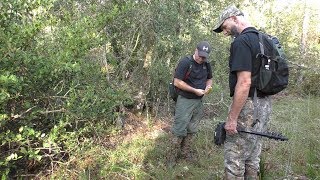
pixel 260 39
pixel 252 31
pixel 190 68
pixel 255 101
pixel 260 43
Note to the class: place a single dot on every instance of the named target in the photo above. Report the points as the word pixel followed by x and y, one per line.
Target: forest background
pixel 74 74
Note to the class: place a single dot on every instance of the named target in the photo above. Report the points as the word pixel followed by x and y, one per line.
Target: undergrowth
pixel 143 155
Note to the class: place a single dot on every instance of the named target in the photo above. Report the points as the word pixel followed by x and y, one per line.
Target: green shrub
pixel 310 83
pixel 52 99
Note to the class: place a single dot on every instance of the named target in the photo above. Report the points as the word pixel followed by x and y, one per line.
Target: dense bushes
pixel 310 84
pixel 52 98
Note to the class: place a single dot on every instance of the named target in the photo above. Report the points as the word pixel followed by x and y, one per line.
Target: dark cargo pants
pixel 188 114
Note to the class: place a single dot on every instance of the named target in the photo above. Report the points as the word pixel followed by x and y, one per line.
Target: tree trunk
pixel 305 27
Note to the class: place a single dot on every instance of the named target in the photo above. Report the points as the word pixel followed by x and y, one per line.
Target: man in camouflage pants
pixel 250 108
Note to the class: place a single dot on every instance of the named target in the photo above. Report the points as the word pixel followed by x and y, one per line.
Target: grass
pixel 143 155
pixel 300 156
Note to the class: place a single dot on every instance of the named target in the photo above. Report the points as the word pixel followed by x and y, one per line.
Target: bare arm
pixel 184 86
pixel 240 96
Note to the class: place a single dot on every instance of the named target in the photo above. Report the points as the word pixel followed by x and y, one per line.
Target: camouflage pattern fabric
pixel 242 151
pixel 229 11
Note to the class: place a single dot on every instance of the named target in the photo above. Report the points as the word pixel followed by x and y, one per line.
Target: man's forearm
pixel 183 85
pixel 209 83
pixel 240 95
pixel 239 99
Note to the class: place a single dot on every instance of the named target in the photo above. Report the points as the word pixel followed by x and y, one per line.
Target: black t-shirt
pixel 197 78
pixel 243 53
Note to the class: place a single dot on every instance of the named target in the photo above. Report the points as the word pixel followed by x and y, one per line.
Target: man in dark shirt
pixel 242 151
pixel 193 78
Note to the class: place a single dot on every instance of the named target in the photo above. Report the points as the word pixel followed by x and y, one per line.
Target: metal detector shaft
pixel 267 134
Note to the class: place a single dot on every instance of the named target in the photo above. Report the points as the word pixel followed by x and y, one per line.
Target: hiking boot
pixel 174 151
pixel 186 150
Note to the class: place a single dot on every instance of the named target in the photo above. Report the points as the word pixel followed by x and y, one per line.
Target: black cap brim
pixel 203 54
pixel 217 30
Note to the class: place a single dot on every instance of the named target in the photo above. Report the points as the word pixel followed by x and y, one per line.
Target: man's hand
pixel 231 127
pixel 208 90
pixel 199 92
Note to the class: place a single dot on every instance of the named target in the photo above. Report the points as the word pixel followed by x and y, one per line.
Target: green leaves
pixel 50 93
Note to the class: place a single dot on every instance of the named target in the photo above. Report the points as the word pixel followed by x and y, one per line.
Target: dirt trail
pixel 138 125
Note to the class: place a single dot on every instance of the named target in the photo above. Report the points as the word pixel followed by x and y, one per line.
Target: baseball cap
pixel 203 49
pixel 225 14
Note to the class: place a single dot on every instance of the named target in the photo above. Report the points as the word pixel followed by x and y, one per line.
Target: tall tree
pixel 305 29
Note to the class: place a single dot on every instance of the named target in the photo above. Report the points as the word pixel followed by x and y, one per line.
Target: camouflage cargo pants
pixel 242 151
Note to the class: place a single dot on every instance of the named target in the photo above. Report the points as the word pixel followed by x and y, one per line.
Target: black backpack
pixel 273 75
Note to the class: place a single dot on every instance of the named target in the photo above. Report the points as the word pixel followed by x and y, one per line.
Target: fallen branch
pixel 21 115
pixel 303 66
pixel 221 101
pixel 53 111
